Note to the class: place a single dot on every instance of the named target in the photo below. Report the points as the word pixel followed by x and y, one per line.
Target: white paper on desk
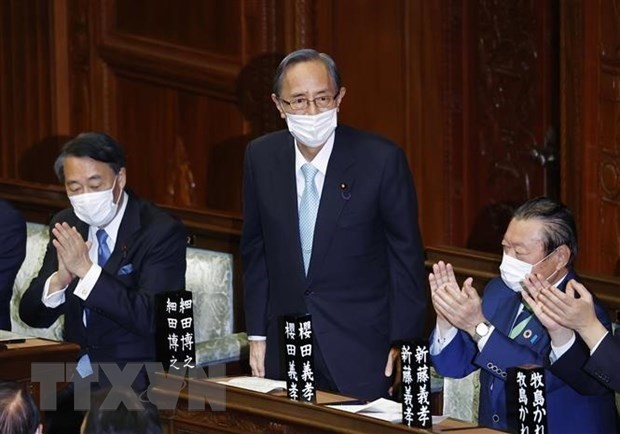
pixel 263 385
pixel 381 408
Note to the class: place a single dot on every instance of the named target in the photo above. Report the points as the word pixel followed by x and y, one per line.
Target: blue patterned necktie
pixel 103 251
pixel 308 208
pixel 84 367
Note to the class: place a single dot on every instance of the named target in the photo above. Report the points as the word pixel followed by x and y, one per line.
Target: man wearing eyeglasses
pixel 331 229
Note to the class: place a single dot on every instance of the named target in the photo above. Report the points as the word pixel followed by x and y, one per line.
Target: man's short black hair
pixel 18 412
pixel 98 146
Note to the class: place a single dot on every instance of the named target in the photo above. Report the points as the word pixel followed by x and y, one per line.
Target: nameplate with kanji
pixel 416 384
pixel 297 332
pixel 176 347
pixel 526 399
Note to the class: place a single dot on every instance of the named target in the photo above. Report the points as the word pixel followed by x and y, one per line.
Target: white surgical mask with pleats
pixel 96 208
pixel 313 130
pixel 513 271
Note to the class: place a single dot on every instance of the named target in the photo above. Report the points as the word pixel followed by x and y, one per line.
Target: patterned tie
pixel 522 319
pixel 103 251
pixel 84 367
pixel 308 208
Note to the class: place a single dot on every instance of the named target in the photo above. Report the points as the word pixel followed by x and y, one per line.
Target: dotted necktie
pixel 308 208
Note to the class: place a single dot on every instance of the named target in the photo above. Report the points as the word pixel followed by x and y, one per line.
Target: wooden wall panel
pixel 26 102
pixel 591 112
pixel 501 77
pixel 467 88
pixel 390 57
pixel 194 82
pixel 206 26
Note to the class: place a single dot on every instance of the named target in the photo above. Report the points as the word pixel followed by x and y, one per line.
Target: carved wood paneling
pixel 508 103
pixel 591 142
pixel 609 135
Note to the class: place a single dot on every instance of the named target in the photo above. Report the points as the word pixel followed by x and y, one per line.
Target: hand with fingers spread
pixel 573 309
pixel 461 308
pixel 535 284
pixel 442 275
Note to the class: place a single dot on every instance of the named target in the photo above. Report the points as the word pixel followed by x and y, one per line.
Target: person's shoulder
pixel 272 139
pixel 8 213
pixel 365 141
pixel 65 215
pixel 152 214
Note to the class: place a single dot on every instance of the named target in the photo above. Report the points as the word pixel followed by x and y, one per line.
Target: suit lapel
pixel 284 183
pixel 129 227
pixel 336 193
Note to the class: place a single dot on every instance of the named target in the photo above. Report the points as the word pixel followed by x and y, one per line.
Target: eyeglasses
pixel 301 103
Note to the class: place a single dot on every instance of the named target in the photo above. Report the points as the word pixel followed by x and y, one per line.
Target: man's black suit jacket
pixel 12 254
pixel 365 285
pixel 595 374
pixel 148 258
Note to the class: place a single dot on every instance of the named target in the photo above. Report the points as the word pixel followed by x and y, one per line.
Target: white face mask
pixel 313 130
pixel 97 208
pixel 513 271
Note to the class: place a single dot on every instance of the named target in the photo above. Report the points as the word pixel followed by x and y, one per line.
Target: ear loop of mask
pixel 543 260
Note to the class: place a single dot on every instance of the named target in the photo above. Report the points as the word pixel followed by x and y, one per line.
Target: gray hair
pixel 305 55
pixel 559 226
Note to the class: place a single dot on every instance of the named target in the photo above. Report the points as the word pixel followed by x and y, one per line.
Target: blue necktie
pixel 84 367
pixel 308 208
pixel 103 251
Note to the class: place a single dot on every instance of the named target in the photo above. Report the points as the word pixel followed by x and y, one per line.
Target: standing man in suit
pixel 109 255
pixel 595 348
pixel 12 254
pixel 499 331
pixel 330 228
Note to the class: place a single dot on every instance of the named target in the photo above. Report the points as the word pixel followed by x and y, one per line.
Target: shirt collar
pixel 320 160
pixel 112 228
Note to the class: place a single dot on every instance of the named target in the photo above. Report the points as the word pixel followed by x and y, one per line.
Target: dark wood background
pixel 493 101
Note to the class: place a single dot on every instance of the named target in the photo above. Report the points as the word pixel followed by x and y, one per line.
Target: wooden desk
pixel 246 412
pixel 16 360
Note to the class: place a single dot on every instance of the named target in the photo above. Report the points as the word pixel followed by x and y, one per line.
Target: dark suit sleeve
pixel 161 268
pixel 574 367
pixel 12 254
pixel 399 214
pixel 255 281
pixel 603 364
pixel 31 309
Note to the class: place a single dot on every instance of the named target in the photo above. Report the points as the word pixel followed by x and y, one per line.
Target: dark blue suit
pixel 148 258
pixel 567 410
pixel 365 285
pixel 591 374
pixel 12 254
